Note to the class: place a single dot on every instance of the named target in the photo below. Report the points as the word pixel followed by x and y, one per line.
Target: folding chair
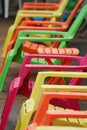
pixel 23 84
pixel 27 110
pixel 60 25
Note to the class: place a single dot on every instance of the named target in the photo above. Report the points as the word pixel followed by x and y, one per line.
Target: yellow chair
pixel 30 106
pixel 44 116
pixel 25 14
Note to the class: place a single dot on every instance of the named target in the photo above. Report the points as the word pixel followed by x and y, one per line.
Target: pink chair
pixel 16 84
pixel 23 85
pixel 80 60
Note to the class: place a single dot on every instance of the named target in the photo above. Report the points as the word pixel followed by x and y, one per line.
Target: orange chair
pixel 40 5
pixel 60 26
pixel 46 117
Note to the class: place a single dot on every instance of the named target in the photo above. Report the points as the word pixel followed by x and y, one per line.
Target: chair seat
pixel 68 121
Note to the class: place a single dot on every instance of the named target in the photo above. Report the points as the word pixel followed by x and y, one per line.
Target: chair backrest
pixel 22 37
pixel 16 53
pixel 81 60
pixel 14 37
pixel 48 14
pixel 10 45
pixel 43 75
pixel 60 25
pixel 42 5
pixel 28 58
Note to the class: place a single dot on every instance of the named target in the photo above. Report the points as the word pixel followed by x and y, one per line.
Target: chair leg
pixel 9 102
pixel 6 8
